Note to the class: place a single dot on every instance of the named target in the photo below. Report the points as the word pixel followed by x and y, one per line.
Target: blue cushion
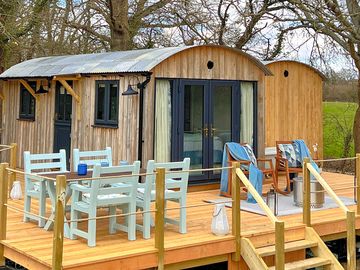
pixel 290 152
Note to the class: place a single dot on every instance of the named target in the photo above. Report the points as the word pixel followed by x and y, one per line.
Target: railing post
pixel 160 215
pixel 306 193
pixel 236 216
pixel 351 240
pixel 3 208
pixel 280 245
pixel 12 165
pixel 58 236
pixel 357 174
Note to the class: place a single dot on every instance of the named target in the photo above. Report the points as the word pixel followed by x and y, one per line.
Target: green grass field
pixel 338 119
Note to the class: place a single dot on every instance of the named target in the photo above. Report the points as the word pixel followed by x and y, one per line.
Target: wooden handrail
pixel 357 174
pixel 279 225
pixel 160 215
pixel 3 209
pixel 236 214
pixel 58 235
pixel 12 165
pixel 327 188
pixel 256 196
pixel 350 215
pixel 306 193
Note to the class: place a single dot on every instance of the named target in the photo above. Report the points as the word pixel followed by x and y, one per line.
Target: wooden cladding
pixel 293 104
pixel 192 63
pixel 35 136
pixel 38 136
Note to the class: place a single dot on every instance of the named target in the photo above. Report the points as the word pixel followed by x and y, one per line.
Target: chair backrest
pixel 43 163
pixel 90 158
pixel 114 188
pixel 36 163
pixel 177 171
pixel 250 153
pixel 288 151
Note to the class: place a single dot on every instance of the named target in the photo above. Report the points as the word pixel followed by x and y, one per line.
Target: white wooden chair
pixel 176 179
pixel 35 187
pixel 90 158
pixel 106 193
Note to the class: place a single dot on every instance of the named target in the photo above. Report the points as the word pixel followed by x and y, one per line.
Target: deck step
pixel 305 264
pixel 289 246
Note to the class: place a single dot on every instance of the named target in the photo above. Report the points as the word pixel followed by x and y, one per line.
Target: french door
pixel 62 128
pixel 208 117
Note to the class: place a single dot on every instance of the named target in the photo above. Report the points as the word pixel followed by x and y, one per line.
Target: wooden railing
pixel 6 181
pixel 279 225
pixel 308 169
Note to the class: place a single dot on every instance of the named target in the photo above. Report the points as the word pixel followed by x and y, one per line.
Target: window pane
pixel 68 107
pixel 193 125
pixel 221 130
pixel 32 105
pixel 100 114
pixel 61 105
pixel 113 102
pixel 22 101
pixel 247 113
pixel 27 104
pixel 163 113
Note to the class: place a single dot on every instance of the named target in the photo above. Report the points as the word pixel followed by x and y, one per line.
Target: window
pixel 27 103
pixel 107 103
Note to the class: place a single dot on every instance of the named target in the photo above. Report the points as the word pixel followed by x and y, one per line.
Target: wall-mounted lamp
pixel 140 85
pixel 130 91
pixel 44 87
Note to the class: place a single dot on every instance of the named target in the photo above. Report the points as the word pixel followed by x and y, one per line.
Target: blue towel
pixel 238 152
pixel 304 152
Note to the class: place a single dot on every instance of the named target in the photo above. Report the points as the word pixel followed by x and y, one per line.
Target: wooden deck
pixel 31 246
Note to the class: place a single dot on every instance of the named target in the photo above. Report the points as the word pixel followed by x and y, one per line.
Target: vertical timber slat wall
pixel 38 136
pixel 192 64
pixel 289 99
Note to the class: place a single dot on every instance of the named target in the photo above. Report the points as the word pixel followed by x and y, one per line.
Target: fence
pixel 8 174
pixel 58 233
pixel 308 169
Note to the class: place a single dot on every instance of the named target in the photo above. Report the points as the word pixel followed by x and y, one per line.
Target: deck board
pixel 29 245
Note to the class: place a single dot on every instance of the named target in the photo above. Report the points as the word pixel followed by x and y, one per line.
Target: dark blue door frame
pixel 208 118
pixel 62 121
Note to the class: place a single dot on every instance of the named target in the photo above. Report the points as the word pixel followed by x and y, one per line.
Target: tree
pixel 123 20
pixel 247 25
pixel 337 20
pixel 17 19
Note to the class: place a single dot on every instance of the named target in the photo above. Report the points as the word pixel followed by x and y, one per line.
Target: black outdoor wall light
pixel 43 89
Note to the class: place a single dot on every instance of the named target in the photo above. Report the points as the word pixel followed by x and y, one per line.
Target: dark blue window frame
pixel 27 106
pixel 104 105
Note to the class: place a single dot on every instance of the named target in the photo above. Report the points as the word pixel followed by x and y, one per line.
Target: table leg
pixel 51 188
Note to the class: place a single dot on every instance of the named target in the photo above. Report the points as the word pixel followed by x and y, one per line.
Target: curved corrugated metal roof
pixel 323 77
pixel 134 61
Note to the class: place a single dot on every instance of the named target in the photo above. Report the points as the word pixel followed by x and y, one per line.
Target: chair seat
pixel 141 191
pixel 86 196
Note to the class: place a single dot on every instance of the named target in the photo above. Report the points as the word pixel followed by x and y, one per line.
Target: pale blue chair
pixel 106 193
pixel 90 158
pixel 35 187
pixel 176 177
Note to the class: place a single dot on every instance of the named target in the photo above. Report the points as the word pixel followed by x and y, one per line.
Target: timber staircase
pixel 260 255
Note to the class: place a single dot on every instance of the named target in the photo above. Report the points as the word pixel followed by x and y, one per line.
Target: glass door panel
pixel 205 116
pixel 221 127
pixel 194 130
